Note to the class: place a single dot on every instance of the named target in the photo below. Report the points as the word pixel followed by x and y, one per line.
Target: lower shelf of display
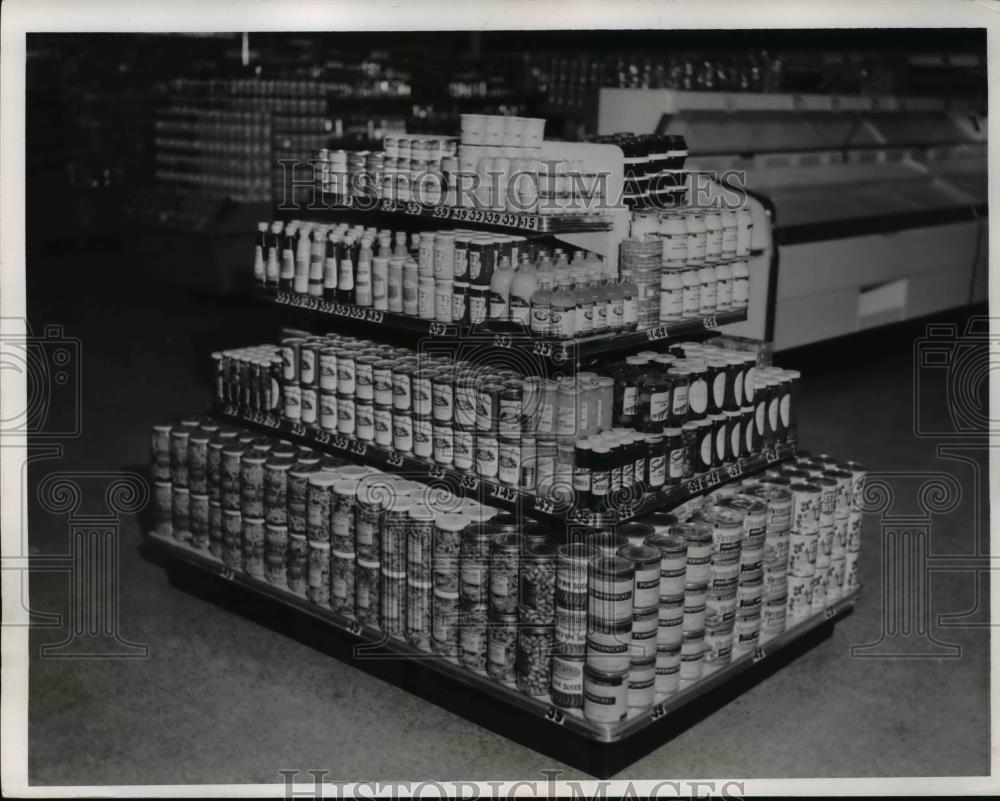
pixel 540 707
pixel 493 493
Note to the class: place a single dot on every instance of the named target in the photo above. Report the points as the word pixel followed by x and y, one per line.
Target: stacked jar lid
pixel 640 260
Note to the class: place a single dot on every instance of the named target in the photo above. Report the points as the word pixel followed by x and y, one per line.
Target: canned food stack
pixel 654 168
pixel 704 259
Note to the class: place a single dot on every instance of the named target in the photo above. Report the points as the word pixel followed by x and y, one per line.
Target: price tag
pixel 625 512
pixel 387 205
pixel 657 712
pixel 340 443
pixel 470 483
pixel 437 329
pixel 770 456
pixel 490 217
pixel 358 448
pixel 373 316
pixel 504 493
pixel 394 459
pixel 226 573
pixel 657 333
pixel 709 322
pixel 353 627
pixel 555 715
pixel 298 429
pixel 435 471
pixel 713 479
pixel 543 505
pixel 502 340
pixel 413 208
pixel 542 349
pixel 758 654
pixel 322 437
pixel 829 612
pixel 694 486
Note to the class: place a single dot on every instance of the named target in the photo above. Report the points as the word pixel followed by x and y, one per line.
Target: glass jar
pixel 504 563
pixel 447 544
pixel 419 597
pixel 419 543
pixel 538 583
pixel 472 638
pixel 392 604
pixel 343 519
pixel 444 624
pixel 534 659
pixel 474 564
pixel 342 577
pixel 501 647
pixel 366 593
pixel 697 239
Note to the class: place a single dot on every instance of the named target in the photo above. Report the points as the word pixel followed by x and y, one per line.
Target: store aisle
pixel 224 699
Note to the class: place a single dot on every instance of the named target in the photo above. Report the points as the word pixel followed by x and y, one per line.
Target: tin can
pixel 720 607
pixel 163 508
pixel 402 387
pixel 215 528
pixel 604 695
pixel 805 507
pixel 727 530
pixel 824 546
pixel 447 539
pixel 611 588
pixel 567 681
pixel 179 439
pixel 472 636
pixel 342 579
pixel 382 425
pixel 423 437
pixel 692 657
pixel 443 443
pixel 419 542
pixel 488 407
pixel 572 575
pixel 606 543
pixel 723 575
pixel 609 644
pixel 772 621
pixel 838 545
pixel 641 683
pixel 570 631
pixel 673 562
pixel 800 589
pixel 698 536
pixel 695 596
pixel 276 490
pixel 474 561
pixel 297 564
pixel 645 625
pixel 346 420
pixel 646 592
pixel 779 505
pixel 718 648
pixel 802 554
pixel 309 405
pixel 198 505
pixel 670 619
pixel 392 603
pixel 667 671
pixel 318 506
pixel 443 396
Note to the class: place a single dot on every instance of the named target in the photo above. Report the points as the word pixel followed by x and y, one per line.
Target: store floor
pixel 223 699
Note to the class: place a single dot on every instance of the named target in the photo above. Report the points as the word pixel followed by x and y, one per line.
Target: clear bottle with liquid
pixel 630 308
pixel 602 299
pixel 616 300
pixel 563 309
pixel 522 287
pixel 500 286
pixel 541 305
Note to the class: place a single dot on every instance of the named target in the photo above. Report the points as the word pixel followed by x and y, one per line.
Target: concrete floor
pixel 224 699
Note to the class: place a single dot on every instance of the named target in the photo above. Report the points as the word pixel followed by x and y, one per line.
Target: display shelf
pixel 556 352
pixel 495 494
pixel 509 221
pixel 531 710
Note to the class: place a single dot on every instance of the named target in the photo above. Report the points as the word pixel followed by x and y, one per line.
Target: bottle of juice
pixel 522 287
pixel 563 311
pixel 602 299
pixel 500 285
pixel 541 305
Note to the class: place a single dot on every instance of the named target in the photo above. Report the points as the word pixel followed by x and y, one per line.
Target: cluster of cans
pixel 604 623
pixel 814 534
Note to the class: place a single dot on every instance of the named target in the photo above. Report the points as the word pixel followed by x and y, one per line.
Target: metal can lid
pixel 667 543
pixel 452 522
pixel 577 551
pixel 596 676
pixel 641 555
pixel 507 542
pixel 613 566
pixel 539 552
pixel 322 479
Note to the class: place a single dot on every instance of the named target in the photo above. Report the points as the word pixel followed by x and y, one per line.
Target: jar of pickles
pixel 534 659
pixel 504 561
pixel 474 564
pixel 447 543
pixel 538 584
